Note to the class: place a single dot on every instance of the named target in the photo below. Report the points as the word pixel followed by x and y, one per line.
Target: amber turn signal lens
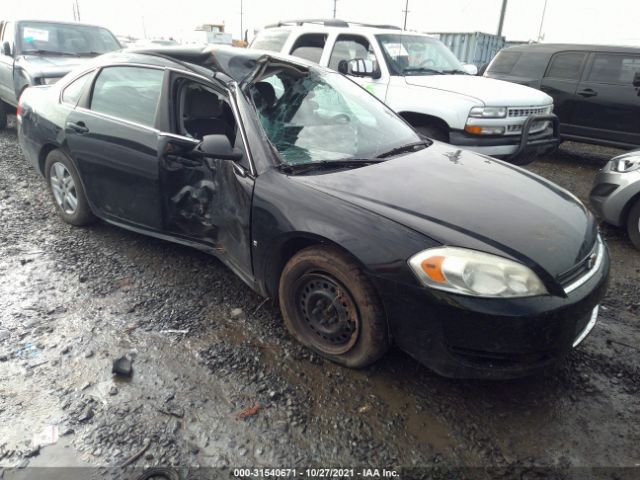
pixel 432 266
pixel 473 129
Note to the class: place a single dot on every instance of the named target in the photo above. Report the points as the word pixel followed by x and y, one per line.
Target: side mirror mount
pixel 6 49
pixel 636 79
pixel 470 68
pixel 217 146
pixel 359 67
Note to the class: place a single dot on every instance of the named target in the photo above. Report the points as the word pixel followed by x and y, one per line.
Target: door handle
pixel 587 92
pixel 78 127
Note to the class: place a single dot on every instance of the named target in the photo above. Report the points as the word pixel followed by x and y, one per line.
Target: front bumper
pixel 512 145
pixel 612 192
pixel 469 337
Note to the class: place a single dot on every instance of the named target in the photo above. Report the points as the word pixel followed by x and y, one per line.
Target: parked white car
pixel 422 80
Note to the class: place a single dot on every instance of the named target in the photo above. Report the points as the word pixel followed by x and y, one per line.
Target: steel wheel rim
pixel 327 313
pixel 63 188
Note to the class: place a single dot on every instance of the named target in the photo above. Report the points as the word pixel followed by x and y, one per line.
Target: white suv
pixel 421 79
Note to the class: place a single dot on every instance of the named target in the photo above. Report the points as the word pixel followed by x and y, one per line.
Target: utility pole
pixel 334 8
pixel 502 14
pixel 241 25
pixel 544 11
pixel 406 12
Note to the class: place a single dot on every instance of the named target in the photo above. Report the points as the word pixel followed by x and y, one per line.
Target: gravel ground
pixel 218 382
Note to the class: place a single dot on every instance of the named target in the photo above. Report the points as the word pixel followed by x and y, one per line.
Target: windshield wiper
pixel 455 71
pixel 410 147
pixel 89 53
pixel 46 52
pixel 422 70
pixel 298 168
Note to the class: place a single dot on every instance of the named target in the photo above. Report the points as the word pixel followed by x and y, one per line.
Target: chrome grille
pixel 519 112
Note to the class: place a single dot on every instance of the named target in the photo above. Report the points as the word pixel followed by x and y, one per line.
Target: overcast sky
pixel 574 21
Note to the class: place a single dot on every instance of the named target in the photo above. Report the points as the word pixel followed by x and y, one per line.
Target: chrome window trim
pixel 589 275
pixel 195 141
pixel 243 134
pixel 117 119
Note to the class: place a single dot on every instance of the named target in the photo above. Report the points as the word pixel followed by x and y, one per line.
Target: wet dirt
pixel 74 299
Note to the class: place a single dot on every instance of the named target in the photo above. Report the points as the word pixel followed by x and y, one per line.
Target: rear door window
pixel 566 65
pixel 309 46
pixel 128 93
pixel 71 93
pixel 612 68
pixel 349 47
pixel 271 40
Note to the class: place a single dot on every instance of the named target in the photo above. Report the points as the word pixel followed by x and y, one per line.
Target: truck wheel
pixel 633 224
pixel 434 133
pixel 329 305
pixel 4 112
pixel 66 189
pixel 524 158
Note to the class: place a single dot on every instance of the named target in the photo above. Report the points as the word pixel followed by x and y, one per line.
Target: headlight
pixel 49 80
pixel 488 112
pixel 469 272
pixel 626 163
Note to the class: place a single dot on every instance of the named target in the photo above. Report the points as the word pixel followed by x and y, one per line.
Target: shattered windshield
pixel 417 55
pixel 313 116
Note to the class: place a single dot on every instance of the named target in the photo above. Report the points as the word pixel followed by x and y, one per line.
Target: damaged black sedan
pixel 317 194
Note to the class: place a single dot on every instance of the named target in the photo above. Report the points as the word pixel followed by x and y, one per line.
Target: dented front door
pixel 207 201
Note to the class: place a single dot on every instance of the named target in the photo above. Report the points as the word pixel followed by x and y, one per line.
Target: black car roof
pixel 234 63
pixel 558 47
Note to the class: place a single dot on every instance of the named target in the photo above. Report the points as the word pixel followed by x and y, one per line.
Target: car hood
pixel 489 91
pixel 460 198
pixel 52 65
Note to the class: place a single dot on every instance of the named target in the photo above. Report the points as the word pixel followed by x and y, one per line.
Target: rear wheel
pixel 329 305
pixel 66 189
pixel 633 224
pixel 4 112
pixel 433 132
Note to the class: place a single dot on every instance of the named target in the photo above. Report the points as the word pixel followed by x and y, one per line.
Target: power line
pixel 406 12
pixel 544 11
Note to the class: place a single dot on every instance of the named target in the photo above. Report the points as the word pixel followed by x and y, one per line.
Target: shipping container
pixel 476 47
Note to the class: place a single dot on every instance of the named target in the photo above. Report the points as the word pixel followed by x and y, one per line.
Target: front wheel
pixel 433 133
pixel 633 224
pixel 330 306
pixel 525 158
pixel 66 189
pixel 4 113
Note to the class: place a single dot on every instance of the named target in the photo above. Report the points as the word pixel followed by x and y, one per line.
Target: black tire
pixel 433 132
pixel 524 158
pixel 81 214
pixel 4 112
pixel 352 331
pixel 633 224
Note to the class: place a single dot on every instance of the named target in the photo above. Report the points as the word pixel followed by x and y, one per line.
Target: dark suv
pixel 595 89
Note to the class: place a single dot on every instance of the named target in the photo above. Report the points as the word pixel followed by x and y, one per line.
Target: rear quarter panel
pixel 41 126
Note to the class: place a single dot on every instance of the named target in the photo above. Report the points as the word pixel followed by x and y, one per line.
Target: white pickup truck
pixel 422 80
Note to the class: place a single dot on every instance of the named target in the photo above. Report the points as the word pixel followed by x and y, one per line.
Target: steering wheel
pixel 341 119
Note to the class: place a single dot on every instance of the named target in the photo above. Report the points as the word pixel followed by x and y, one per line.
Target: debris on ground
pixel 249 411
pixel 48 436
pixel 122 366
